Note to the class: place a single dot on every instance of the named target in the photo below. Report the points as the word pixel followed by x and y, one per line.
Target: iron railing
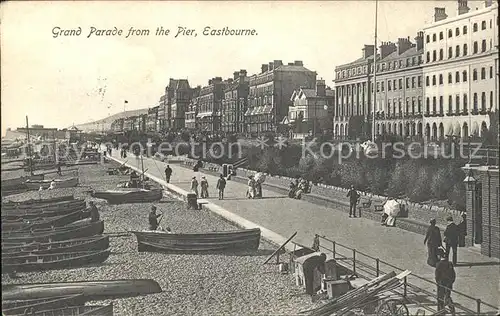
pixel 475 306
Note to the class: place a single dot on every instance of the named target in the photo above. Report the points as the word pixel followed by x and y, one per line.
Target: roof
pixel 292 68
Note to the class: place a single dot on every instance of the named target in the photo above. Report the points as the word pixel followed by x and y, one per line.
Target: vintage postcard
pixel 250 158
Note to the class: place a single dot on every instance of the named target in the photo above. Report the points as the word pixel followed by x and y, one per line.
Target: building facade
pixel 270 92
pixel 178 98
pixel 235 102
pixel 162 115
pixel 399 96
pixel 190 121
pixel 209 105
pixel 311 111
pixel 152 120
pixel 353 97
pixel 460 70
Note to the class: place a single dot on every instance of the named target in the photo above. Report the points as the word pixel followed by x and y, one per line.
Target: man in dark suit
pixel 353 196
pixel 445 277
pixel 451 235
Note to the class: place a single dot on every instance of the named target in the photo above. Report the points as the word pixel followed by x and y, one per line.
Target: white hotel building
pixel 460 71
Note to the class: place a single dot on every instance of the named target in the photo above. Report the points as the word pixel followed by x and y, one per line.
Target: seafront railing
pixel 367 266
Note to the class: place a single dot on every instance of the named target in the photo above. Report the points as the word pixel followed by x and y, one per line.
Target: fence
pixel 463 302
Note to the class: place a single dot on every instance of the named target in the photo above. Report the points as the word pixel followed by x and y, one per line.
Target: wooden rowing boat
pixel 19 181
pixel 19 307
pixel 205 242
pixel 129 195
pixel 40 206
pixel 27 263
pixel 87 310
pixel 93 243
pixel 97 289
pixel 37 202
pixel 45 184
pixel 92 229
pixel 44 222
pixel 26 214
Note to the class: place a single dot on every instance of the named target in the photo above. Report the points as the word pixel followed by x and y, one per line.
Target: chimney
pixel 462 7
pixel 236 74
pixel 271 66
pixel 403 45
pixel 320 88
pixel 420 40
pixel 368 51
pixel 298 63
pixel 278 63
pixel 263 68
pixel 243 73
pixel 439 14
pixel 386 49
pixel 291 64
pixel 210 81
pixel 229 80
pixel 217 80
pixel 488 3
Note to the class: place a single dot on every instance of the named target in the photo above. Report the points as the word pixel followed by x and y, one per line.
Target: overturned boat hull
pixel 129 195
pixel 45 184
pixel 44 222
pixel 97 289
pixel 73 245
pixel 19 307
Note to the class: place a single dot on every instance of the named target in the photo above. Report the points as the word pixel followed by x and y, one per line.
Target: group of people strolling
pixel 254 188
pixel 221 185
pixel 438 256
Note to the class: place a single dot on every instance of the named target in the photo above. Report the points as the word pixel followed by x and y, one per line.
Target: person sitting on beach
pixel 52 185
pixel 94 212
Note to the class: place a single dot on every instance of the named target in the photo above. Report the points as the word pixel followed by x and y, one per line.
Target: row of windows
pixel 457 77
pixel 458 103
pixel 457 51
pixel 475 28
pixel 397 64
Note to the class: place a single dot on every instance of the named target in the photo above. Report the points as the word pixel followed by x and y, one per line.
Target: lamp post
pixel 470 186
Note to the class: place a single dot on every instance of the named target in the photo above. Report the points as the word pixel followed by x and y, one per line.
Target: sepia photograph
pixel 241 158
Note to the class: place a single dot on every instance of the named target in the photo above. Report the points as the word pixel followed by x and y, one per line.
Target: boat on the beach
pixel 155 241
pixel 97 289
pixel 60 234
pixel 45 184
pixel 41 262
pixel 93 243
pixel 19 307
pixel 37 203
pixel 49 211
pixel 129 195
pixel 86 310
pixel 44 222
pixel 19 181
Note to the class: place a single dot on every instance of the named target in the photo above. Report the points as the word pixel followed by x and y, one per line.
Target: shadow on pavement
pixel 474 264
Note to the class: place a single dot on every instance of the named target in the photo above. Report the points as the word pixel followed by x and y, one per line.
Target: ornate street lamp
pixel 470 181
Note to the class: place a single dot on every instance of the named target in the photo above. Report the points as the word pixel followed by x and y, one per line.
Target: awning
pixel 285 120
pixel 204 114
pixel 268 109
pixel 257 110
pixel 248 112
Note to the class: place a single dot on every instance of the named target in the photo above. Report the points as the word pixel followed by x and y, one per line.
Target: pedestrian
pixel 433 242
pixel 451 239
pixel 59 169
pixel 221 185
pixel 153 218
pixel 317 262
pixel 462 229
pixel 445 277
pixel 194 186
pixel 353 196
pixel 251 188
pixel 94 212
pixel 52 184
pixel 291 190
pixel 204 187
pixel 168 173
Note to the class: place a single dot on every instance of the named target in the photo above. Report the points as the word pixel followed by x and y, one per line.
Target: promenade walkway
pixel 477 275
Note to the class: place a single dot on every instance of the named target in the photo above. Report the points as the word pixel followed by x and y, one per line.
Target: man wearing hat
pixel 221 185
pixel 194 186
pixel 451 234
pixel 153 218
pixel 204 187
pixel 353 196
pixel 445 277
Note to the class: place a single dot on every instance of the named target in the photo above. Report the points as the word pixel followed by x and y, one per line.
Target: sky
pixel 60 81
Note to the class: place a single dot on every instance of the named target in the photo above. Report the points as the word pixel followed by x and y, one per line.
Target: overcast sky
pixel 56 81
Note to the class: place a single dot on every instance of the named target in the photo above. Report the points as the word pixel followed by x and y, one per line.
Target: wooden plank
pixel 280 248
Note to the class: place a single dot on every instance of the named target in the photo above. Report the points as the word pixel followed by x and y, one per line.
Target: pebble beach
pixel 192 284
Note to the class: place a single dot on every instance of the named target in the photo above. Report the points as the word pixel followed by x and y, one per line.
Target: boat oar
pixel 117 234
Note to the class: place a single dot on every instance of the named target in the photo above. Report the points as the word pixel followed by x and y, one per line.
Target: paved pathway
pixel 477 275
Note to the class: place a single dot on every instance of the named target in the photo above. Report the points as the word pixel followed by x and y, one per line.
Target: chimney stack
pixel 278 63
pixel 439 14
pixel 386 49
pixel 243 74
pixel 488 3
pixel 263 68
pixel 236 74
pixel 298 63
pixel 420 40
pixel 271 66
pixel 210 81
pixel 320 88
pixel 368 51
pixel 462 7
pixel 290 64
pixel 403 45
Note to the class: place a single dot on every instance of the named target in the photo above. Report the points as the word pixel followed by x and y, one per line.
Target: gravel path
pixel 207 284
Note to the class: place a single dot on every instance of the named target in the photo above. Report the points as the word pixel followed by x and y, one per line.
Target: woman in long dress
pixel 251 188
pixel 433 242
